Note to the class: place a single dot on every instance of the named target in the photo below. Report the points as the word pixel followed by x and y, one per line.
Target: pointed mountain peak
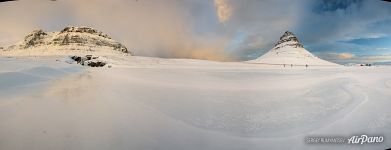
pixel 288 39
pixel 289 50
pixel 287 33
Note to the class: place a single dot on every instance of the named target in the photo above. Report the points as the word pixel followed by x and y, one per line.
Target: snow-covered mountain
pixel 289 50
pixel 71 40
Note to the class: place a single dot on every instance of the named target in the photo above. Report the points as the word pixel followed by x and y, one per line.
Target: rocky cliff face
pixel 288 39
pixel 71 36
pixel 37 37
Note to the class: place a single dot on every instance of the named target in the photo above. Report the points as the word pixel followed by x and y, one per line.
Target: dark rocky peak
pixel 288 39
pixel 35 38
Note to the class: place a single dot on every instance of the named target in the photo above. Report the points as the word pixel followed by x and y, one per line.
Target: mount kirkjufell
pixel 289 51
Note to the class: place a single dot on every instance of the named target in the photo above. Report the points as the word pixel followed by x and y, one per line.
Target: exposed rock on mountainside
pixel 37 37
pixel 70 38
pixel 288 39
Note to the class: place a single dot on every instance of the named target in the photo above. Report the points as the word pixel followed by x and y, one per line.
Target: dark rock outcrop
pixel 89 60
pixel 288 39
pixel 95 63
pixel 37 37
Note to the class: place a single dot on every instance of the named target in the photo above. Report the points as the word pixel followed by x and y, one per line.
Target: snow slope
pixel 289 50
pixel 150 103
pixel 18 75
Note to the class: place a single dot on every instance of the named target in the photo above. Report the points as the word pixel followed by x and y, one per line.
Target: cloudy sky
pixel 225 30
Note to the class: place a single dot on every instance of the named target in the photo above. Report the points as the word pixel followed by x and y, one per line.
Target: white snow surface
pixel 56 50
pixel 174 104
pixel 292 55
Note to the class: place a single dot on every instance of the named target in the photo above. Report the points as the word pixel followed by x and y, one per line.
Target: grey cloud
pixel 349 20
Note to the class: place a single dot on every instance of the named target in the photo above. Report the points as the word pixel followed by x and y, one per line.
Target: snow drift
pixel 151 103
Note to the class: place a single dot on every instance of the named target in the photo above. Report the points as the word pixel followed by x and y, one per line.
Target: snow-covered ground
pixel 150 103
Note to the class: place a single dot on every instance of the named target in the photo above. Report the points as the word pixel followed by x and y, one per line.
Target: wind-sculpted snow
pixel 226 106
pixel 150 103
pixel 19 76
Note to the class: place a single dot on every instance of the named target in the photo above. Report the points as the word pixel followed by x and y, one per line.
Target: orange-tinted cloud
pixel 345 56
pixel 223 9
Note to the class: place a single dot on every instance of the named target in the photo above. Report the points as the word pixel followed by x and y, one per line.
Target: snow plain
pixel 291 55
pixel 150 103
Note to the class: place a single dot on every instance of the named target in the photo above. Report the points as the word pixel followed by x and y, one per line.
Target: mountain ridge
pixel 70 39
